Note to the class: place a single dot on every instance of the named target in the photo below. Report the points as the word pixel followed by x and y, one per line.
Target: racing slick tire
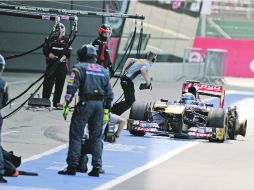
pixel 138 112
pixel 217 118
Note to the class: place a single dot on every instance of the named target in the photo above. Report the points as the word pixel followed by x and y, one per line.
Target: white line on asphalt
pixel 22 188
pixel 18 82
pixel 168 31
pixel 9 132
pixel 239 92
pixel 147 166
pixel 218 28
pixel 61 147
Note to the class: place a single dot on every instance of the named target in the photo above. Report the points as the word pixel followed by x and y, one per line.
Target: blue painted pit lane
pixel 125 156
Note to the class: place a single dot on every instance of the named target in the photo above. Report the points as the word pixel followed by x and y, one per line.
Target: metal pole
pixel 69 12
pixel 34 15
pixel 203 25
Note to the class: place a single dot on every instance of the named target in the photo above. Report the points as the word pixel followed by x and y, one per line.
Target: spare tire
pixel 138 112
pixel 217 118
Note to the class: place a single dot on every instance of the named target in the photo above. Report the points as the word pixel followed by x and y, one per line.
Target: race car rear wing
pixel 206 89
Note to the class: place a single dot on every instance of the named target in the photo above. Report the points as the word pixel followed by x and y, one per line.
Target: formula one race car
pixel 188 117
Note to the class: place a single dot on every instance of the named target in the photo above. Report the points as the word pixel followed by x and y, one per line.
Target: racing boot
pixel 82 167
pixel 95 172
pixel 2 180
pixel 70 170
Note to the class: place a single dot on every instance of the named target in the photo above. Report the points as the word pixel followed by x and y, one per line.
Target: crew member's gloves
pixel 145 86
pixel 66 110
pixel 106 116
pixel 109 134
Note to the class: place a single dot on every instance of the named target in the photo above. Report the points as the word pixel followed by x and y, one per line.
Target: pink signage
pixel 240 56
pixel 176 4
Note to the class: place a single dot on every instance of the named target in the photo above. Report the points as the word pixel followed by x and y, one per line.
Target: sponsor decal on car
pixel 197 134
pixel 140 128
pixel 205 88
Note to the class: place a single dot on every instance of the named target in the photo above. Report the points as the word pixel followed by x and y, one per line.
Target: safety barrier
pixel 192 56
pixel 210 69
pixel 215 66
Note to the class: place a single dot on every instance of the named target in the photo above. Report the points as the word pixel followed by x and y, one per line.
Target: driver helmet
pixel 188 98
pixel 105 32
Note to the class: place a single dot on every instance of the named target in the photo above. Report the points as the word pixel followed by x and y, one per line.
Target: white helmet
pixel 59 29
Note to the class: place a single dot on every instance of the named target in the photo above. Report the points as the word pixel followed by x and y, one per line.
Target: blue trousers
pixel 90 113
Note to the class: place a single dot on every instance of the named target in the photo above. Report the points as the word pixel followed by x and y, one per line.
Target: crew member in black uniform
pixel 57 52
pixel 102 49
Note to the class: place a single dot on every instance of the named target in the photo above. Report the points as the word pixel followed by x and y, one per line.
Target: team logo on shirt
pixel 141 61
pixel 94 67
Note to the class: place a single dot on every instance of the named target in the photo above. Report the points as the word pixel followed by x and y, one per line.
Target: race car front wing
pixel 154 128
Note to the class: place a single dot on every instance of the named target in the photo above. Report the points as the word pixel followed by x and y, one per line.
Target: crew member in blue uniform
pixel 95 97
pixel 101 46
pixel 3 101
pixel 57 53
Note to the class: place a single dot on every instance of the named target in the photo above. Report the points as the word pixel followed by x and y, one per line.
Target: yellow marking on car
pixel 220 133
pixel 174 109
pixel 160 105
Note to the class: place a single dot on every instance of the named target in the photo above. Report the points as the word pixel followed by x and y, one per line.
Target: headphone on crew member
pixel 152 55
pixel 59 29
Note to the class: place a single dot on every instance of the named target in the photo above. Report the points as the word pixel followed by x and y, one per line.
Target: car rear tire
pixel 217 118
pixel 138 112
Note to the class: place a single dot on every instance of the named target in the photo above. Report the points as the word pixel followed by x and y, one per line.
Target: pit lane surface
pixel 209 166
pixel 133 162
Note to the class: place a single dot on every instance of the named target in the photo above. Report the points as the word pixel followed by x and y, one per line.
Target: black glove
pixel 144 86
pixel 110 139
pixel 109 134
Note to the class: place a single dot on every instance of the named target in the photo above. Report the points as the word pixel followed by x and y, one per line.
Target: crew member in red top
pixel 102 49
